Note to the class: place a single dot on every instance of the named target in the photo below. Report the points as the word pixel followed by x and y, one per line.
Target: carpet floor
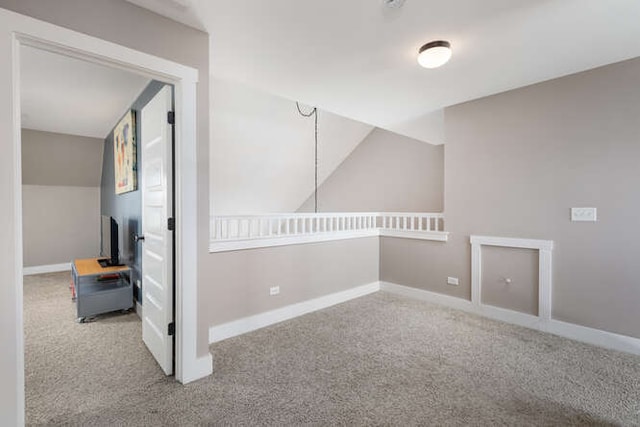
pixel 377 360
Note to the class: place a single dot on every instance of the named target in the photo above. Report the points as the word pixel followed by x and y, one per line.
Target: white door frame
pixel 17 30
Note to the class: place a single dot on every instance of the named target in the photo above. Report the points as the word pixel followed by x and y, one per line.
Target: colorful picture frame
pixel 125 160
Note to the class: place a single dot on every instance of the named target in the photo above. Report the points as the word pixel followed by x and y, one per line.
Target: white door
pixel 157 246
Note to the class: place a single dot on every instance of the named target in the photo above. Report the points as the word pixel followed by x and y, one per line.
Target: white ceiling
pixel 67 95
pixel 357 58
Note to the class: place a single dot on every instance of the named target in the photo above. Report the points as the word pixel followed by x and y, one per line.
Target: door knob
pixel 137 238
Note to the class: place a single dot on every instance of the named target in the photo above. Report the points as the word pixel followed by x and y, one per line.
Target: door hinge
pixel 172 329
pixel 171 118
pixel 171 224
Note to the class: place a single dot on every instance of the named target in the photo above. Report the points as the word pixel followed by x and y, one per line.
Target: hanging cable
pixel 313 113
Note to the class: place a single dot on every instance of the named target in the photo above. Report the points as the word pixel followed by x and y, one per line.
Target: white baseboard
pixel 594 336
pixel 51 268
pixel 202 367
pixel 442 299
pixel 248 324
pixel 139 309
pixel 567 330
pixel 509 316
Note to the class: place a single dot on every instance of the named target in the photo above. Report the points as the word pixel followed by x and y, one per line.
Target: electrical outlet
pixel 452 281
pixel 274 290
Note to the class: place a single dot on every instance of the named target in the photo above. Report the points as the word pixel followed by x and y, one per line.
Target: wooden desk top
pixel 90 267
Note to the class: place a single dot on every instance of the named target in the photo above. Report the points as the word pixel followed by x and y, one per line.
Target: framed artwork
pixel 124 154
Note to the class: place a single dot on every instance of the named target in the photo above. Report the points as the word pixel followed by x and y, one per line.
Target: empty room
pixel 378 212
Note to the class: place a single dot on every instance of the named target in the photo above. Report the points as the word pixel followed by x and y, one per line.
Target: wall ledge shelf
pixel 235 233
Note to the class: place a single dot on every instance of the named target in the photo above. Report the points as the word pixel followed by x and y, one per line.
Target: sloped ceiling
pixel 262 150
pixel 69 96
pixel 357 58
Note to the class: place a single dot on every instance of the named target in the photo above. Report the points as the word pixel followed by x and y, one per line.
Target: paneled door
pixel 156 141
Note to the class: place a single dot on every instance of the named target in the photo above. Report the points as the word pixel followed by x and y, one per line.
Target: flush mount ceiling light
pixel 434 54
pixel 393 4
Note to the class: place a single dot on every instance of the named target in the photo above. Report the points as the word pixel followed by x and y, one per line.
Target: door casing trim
pixel 18 30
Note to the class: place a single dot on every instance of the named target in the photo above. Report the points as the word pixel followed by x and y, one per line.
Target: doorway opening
pixel 17 31
pixel 86 129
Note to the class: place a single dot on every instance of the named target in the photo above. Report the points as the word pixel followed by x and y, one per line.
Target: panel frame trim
pixel 545 277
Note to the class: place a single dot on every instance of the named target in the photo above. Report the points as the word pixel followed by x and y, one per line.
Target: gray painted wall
pixel 422 264
pixel 240 286
pixel 58 159
pixel 517 162
pixel 126 208
pixel 60 197
pixel 60 223
pixel 386 172
pixel 123 23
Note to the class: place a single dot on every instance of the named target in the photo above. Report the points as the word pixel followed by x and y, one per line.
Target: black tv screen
pixel 110 244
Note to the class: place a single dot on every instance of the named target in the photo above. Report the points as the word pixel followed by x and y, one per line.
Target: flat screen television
pixel 110 244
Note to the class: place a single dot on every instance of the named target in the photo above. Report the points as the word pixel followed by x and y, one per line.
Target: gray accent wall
pixel 126 208
pixel 515 163
pixel 386 172
pixel 60 197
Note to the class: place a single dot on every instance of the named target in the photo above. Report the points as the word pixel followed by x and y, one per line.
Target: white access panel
pixel 157 247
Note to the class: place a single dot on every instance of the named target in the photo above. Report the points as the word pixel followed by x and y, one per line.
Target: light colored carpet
pixel 377 360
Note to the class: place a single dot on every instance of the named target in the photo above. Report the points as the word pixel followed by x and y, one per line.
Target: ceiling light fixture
pixel 393 4
pixel 434 54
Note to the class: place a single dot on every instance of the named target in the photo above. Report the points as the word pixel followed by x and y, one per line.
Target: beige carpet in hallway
pixel 377 360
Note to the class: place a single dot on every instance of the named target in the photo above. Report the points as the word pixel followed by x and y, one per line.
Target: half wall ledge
pixel 233 233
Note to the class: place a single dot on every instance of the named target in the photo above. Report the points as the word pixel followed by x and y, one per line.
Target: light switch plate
pixel 584 214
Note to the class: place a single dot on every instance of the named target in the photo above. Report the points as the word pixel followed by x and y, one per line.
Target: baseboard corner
pixel 201 368
pixel 424 295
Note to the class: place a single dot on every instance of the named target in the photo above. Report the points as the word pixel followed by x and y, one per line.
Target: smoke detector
pixel 393 4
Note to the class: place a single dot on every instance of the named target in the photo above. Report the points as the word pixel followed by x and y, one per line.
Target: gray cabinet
pixel 100 290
